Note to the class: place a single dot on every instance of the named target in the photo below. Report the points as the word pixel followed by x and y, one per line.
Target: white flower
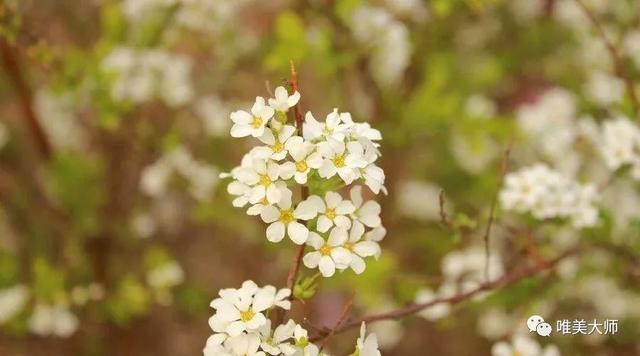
pixel 620 142
pixel 332 128
pixel 367 213
pixel 342 159
pixel 276 148
pixel 214 115
pixel 418 199
pixel 332 210
pixel 284 217
pixel 367 345
pixel 283 101
pixel 521 345
pixel 330 255
pixel 262 176
pixel 238 310
pixel 244 345
pixel 359 247
pixel 605 89
pixel 276 343
pixel 251 124
pixel 52 320
pixel 305 158
pixel 12 300
pixel 167 275
pixel 374 178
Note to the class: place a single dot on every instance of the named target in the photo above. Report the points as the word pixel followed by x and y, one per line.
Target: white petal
pixel 326 266
pixel 275 232
pixel 337 236
pixel 312 259
pixel 357 264
pixel 356 195
pixel 342 221
pixel 366 248
pixel 270 214
pixel 298 232
pixel 332 199
pixel 324 223
pixel 345 207
pixel 240 130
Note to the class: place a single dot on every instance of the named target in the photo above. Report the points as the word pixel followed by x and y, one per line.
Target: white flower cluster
pixel 55 320
pixel 143 74
pixel 548 194
pixel 388 40
pixel 328 154
pixel 12 300
pixel 241 326
pixel 195 15
pixel 202 178
pixel 620 145
pixel 523 345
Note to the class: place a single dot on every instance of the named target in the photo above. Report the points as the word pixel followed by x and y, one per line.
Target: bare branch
pixel 504 166
pixel 506 280
pixel 12 67
pixel 618 66
pixel 343 316
pixel 444 219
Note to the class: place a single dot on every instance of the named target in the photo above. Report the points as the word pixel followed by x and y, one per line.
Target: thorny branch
pixel 504 166
pixel 506 280
pixel 618 66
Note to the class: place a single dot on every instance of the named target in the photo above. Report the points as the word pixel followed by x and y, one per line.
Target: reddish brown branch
pixel 504 166
pixel 12 68
pixel 411 309
pixel 532 251
pixel 343 316
pixel 618 66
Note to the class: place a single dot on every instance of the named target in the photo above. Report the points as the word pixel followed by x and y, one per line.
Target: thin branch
pixel 444 219
pixel 618 66
pixel 411 309
pixel 343 316
pixel 504 166
pixel 532 251
pixel 10 62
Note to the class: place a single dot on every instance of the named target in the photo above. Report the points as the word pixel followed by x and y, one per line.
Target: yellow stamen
pixel 257 122
pixel 330 213
pixel 338 161
pixel 301 166
pixel 286 216
pixel 348 246
pixel 265 180
pixel 247 315
pixel 325 250
pixel 277 147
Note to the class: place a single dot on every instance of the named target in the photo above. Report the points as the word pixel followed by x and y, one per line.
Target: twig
pixel 504 166
pixel 295 266
pixel 618 67
pixel 10 62
pixel 343 316
pixel 532 251
pixel 408 310
pixel 444 219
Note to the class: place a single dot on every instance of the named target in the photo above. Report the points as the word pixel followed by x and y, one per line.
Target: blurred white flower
pixel 54 320
pixel 12 300
pixel 605 89
pixel 214 115
pixel 59 122
pixel 418 199
pixel 166 275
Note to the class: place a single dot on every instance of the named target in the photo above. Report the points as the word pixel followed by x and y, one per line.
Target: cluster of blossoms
pixel 202 177
pixel 143 74
pixel 621 145
pixel 241 326
pixel 523 345
pixel 323 157
pixel 547 194
pixel 326 156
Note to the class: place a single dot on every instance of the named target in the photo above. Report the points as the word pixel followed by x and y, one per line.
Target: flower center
pixel 338 161
pixel 327 131
pixel 301 166
pixel 286 216
pixel 325 250
pixel 281 116
pixel 277 147
pixel 265 180
pixel 348 246
pixel 256 122
pixel 247 315
pixel 330 213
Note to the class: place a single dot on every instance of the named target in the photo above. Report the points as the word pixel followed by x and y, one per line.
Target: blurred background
pixel 116 232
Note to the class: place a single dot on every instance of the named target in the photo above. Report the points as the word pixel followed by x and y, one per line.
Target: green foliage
pixel 290 42
pixel 130 300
